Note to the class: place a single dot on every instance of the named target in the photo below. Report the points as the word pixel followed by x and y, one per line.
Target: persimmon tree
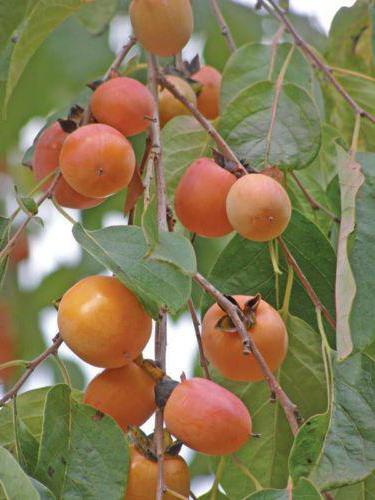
pixel 245 178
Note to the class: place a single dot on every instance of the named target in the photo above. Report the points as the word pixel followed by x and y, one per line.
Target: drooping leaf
pixel 296 134
pixel 28 447
pixel 122 250
pixel 13 480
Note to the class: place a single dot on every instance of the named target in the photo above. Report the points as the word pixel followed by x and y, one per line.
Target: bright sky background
pixel 55 245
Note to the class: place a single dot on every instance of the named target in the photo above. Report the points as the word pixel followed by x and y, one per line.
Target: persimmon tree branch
pixel 120 57
pixel 196 324
pixel 225 30
pixel 290 409
pixel 31 366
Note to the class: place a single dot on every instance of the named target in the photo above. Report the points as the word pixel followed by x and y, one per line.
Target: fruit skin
pixel 103 322
pixel 169 106
pixel 123 103
pixel 46 159
pixel 224 350
pixel 200 198
pixel 258 207
pixel 207 417
pixel 143 473
pixel 163 27
pixel 20 251
pixel 97 160
pixel 125 393
pixel 208 100
pixel 7 348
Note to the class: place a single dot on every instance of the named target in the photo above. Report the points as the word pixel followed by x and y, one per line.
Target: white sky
pixel 48 252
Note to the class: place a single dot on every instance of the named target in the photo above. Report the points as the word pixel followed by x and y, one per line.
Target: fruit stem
pixel 14 363
pixel 63 212
pixel 218 476
pixel 225 30
pixel 63 370
pixel 328 370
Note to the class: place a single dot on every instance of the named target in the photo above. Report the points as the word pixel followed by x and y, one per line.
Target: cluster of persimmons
pixel 102 321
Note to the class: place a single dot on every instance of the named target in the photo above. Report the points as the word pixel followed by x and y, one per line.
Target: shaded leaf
pixel 13 480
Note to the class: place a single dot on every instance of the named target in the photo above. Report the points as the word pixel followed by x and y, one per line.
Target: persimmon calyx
pixel 248 315
pixel 163 391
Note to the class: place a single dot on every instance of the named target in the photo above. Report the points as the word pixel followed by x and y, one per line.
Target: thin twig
pixel 202 357
pixel 305 283
pixel 277 12
pixel 31 366
pixel 120 57
pixel 225 30
pixel 290 409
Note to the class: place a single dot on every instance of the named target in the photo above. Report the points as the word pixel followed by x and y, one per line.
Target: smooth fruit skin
pixel 207 417
pixel 143 474
pixel 200 198
pixel 224 350
pixel 208 100
pixel 20 251
pixel 7 351
pixel 103 322
pixel 46 160
pixel 163 27
pixel 97 160
pixel 125 393
pixel 125 104
pixel 258 207
pixel 169 106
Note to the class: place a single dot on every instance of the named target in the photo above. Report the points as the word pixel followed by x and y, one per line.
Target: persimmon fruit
pixel 207 417
pixel 47 158
pixel 97 160
pixel 125 393
pixel 103 322
pixel 169 106
pixel 200 198
pixel 208 100
pixel 143 476
pixel 163 27
pixel 125 104
pixel 258 207
pixel 7 348
pixel 224 349
pixel 20 251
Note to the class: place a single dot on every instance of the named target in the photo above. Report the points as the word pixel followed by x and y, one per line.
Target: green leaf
pixel 270 495
pixel 44 492
pixel 28 447
pixel 41 20
pixel 149 223
pixel 76 373
pixel 364 490
pixel 4 236
pixel 296 134
pixel 306 490
pixel 251 63
pixel 302 377
pixel 14 482
pixel 96 16
pixel 122 249
pixel 175 249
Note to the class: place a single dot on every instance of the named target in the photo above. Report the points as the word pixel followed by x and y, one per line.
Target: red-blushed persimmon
pixel 163 27
pixel 224 349
pixel 169 106
pixel 207 417
pixel 143 476
pixel 125 104
pixel 200 198
pixel 46 160
pixel 7 348
pixel 20 251
pixel 125 393
pixel 103 322
pixel 97 160
pixel 258 207
pixel 208 100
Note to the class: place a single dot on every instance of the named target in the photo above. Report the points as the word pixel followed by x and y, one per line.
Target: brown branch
pixel 277 12
pixel 31 366
pixel 225 30
pixel 202 357
pixel 305 283
pixel 315 205
pixel 119 58
pixel 206 124
pixel 290 409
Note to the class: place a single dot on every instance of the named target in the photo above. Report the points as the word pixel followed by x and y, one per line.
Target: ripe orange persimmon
pixel 169 106
pixel 143 474
pixel 20 251
pixel 225 349
pixel 207 417
pixel 258 207
pixel 125 393
pixel 103 322
pixel 200 198
pixel 46 160
pixel 163 27
pixel 97 160
pixel 125 104
pixel 208 100
pixel 6 342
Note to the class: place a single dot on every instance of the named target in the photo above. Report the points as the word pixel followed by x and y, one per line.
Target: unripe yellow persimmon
pixel 163 27
pixel 103 322
pixel 169 106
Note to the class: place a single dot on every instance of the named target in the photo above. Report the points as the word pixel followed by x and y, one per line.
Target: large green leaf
pixel 122 249
pixel 304 491
pixel 365 490
pixel 15 483
pixel 296 134
pixel 302 377
pixel 95 16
